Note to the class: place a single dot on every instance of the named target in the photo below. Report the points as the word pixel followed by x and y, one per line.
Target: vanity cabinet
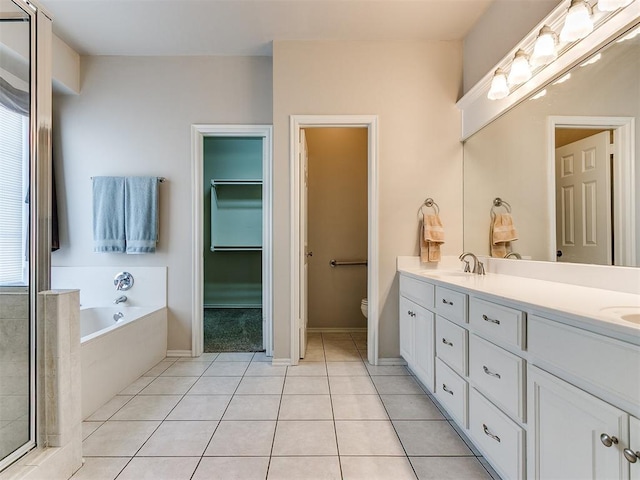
pixel 634 448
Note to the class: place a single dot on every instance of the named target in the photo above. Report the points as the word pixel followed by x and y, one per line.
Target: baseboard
pixel 281 362
pixel 178 353
pixel 391 361
pixel 336 330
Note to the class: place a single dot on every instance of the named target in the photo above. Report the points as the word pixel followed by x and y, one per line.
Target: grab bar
pixel 338 263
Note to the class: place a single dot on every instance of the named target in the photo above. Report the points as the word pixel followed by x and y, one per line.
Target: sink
pixel 627 313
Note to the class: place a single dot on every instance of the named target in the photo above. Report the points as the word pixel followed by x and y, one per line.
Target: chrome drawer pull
pixel 630 455
pixel 489 372
pixel 489 434
pixel 491 320
pixel 444 387
pixel 446 342
pixel 447 302
pixel 607 440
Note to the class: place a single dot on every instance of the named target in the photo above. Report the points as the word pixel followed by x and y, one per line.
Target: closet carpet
pixel 233 329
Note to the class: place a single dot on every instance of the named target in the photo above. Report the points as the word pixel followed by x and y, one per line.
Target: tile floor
pixel 235 416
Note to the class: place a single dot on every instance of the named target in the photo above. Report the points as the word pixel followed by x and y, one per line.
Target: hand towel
pixel 502 232
pixel 108 214
pixel 431 237
pixel 141 214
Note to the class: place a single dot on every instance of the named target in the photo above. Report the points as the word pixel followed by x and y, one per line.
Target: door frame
pixel 624 196
pixel 198 133
pixel 370 122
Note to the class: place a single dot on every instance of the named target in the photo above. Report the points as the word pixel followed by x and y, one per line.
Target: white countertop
pixel 589 308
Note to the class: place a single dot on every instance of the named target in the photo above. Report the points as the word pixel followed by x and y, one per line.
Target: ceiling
pixel 247 27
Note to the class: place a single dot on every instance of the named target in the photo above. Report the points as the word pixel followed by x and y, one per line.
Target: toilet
pixel 364 306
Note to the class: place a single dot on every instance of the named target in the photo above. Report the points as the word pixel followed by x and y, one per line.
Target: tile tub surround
pixel 237 416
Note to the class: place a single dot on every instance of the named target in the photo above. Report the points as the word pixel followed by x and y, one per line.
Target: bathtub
pixel 115 351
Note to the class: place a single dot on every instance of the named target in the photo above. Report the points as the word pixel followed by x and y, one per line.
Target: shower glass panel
pixel 16 345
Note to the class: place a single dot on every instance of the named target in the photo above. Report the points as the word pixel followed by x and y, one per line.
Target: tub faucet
pixel 478 266
pixel 117 316
pixel 120 299
pixel 514 255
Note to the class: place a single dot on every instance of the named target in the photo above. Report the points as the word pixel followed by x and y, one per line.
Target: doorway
pixel 300 226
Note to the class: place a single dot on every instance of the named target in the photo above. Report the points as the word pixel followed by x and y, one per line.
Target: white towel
pixel 108 215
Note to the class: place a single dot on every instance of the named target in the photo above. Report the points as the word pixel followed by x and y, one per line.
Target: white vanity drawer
pixel 451 305
pixel 451 391
pixel 498 374
pixel 451 344
pixel 497 322
pixel 498 437
pixel 612 366
pixel 418 291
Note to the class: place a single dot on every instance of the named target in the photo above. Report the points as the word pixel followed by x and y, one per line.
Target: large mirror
pixel 565 163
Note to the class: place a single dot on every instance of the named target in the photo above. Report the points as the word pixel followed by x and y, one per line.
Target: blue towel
pixel 108 214
pixel 141 214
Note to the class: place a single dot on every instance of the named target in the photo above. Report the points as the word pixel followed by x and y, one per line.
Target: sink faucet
pixel 120 299
pixel 514 255
pixel 478 266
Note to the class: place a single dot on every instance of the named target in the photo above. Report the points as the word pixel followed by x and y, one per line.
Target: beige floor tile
pixel 232 468
pixel 137 386
pixel 304 468
pixel 200 407
pixel 235 357
pixel 305 407
pixel 387 370
pixel 242 438
pixel 261 357
pixel 147 407
pixel 260 386
pixel 167 468
pixel 89 427
pixel 185 369
pixel 449 468
pixel 358 407
pixel 313 355
pixel 106 411
pixel 301 438
pixel 376 468
pixel 411 407
pixel 159 368
pixel 226 369
pixel 430 437
pixel 264 369
pixel 169 385
pixel 118 439
pixel 400 385
pixel 346 368
pixel 205 357
pixel 253 407
pixel 352 385
pixel 329 337
pixel 367 437
pixel 342 356
pixel 179 439
pixel 306 386
pixel 342 345
pixel 308 369
pixel 96 468
pixel 215 386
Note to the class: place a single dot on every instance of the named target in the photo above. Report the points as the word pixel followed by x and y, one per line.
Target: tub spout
pixel 120 299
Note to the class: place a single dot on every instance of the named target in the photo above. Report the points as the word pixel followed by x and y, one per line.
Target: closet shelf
pixel 217 183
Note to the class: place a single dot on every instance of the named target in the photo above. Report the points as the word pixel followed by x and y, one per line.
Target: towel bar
pixel 337 263
pixel 160 179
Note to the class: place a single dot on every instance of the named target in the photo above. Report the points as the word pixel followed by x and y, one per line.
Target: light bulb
pixel 520 70
pixel 611 5
pixel 499 88
pixel 578 23
pixel 544 50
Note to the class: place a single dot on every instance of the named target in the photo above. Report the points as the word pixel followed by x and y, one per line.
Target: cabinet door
pixel 634 446
pixel 565 428
pixel 424 347
pixel 407 315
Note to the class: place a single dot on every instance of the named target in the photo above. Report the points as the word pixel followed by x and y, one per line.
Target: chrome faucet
pixel 117 316
pixel 514 255
pixel 478 266
pixel 120 299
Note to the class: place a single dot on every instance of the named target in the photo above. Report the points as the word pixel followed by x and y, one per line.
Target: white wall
pixel 412 87
pixel 133 117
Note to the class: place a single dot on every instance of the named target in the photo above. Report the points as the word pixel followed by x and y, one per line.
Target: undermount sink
pixel 445 273
pixel 628 314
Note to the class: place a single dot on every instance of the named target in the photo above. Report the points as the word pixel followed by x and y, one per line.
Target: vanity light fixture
pixel 520 70
pixel 578 22
pixel 545 48
pixel 499 88
pixel 611 5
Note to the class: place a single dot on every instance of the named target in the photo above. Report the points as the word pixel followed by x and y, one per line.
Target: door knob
pixel 559 253
pixel 607 440
pixel 309 254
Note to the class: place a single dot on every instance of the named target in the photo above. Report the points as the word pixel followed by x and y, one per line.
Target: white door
pixel 583 201
pixel 634 446
pixel 566 428
pixel 304 247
